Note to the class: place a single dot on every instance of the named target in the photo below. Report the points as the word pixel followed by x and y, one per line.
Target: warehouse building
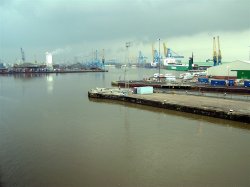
pixel 243 74
pixel 231 70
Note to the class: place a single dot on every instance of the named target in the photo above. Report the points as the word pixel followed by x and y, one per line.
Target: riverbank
pixel 183 85
pixel 48 72
pixel 214 107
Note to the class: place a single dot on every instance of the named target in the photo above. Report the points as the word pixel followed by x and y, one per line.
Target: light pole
pixel 159 63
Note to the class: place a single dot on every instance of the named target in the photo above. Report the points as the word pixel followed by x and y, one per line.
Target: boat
pixel 199 74
pixel 177 67
pixel 171 63
pixel 186 76
pixel 170 77
pixel 156 75
pixel 167 77
pixel 172 60
pixel 153 64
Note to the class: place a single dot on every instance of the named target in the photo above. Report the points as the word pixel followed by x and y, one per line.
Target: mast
pixel 153 53
pixel 159 59
pixel 165 49
pixel 22 55
pixel 103 58
pixel 214 52
pixel 219 52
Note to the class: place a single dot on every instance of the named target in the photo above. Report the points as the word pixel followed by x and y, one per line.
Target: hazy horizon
pixel 73 30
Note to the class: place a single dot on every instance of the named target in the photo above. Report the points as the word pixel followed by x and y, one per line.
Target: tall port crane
pixel 190 62
pixel 170 53
pixel 154 54
pixel 216 56
pixel 165 50
pixel 219 52
pixel 214 52
pixel 103 58
pixel 141 58
pixel 128 45
pixel 22 55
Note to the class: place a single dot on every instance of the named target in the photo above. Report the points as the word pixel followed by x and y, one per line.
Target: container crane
pixel 165 50
pixel 219 52
pixel 128 45
pixel 22 55
pixel 95 63
pixel 141 58
pixel 170 53
pixel 214 53
pixel 155 54
pixel 103 58
pixel 190 62
pixel 155 57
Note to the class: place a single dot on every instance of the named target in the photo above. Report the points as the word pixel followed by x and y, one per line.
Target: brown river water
pixel 52 134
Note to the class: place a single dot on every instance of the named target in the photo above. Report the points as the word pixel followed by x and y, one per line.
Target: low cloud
pixel 60 51
pixel 49 24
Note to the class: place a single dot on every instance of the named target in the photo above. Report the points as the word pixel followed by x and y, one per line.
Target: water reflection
pixel 63 139
pixel 50 84
pixel 199 129
pixel 27 76
pixel 214 121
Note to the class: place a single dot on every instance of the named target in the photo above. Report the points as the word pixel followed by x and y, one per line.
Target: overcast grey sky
pixel 77 27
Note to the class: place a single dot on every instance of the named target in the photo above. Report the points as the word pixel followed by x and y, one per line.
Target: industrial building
pixel 243 74
pixel 229 70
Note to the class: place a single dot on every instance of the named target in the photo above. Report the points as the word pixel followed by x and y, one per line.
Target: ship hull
pixel 177 68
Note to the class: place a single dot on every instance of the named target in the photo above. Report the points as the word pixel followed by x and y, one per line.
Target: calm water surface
pixel 51 134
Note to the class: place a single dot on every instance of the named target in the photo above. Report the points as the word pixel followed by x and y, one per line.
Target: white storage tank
pixel 49 61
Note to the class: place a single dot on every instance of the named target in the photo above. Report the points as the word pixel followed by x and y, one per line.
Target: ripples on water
pixel 51 134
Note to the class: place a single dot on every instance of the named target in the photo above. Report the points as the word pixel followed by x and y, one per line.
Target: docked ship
pixel 171 64
pixel 172 60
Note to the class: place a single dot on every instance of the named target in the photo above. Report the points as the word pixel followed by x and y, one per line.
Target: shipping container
pixel 230 82
pixel 203 80
pixel 145 90
pixel 247 83
pixel 218 82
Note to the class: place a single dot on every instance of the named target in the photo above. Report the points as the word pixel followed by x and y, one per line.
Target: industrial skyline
pixel 76 28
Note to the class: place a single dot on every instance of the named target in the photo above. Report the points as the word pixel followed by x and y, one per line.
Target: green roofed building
pixel 243 74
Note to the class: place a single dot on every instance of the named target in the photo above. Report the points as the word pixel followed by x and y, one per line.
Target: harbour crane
pixel 128 45
pixel 155 57
pixel 103 58
pixel 170 53
pixel 214 53
pixel 154 54
pixel 95 63
pixel 22 55
pixel 141 58
pixel 165 50
pixel 216 56
pixel 190 62
pixel 219 52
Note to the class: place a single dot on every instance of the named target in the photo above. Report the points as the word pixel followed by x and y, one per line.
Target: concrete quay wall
pixel 213 107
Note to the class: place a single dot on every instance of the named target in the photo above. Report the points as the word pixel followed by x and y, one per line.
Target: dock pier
pixel 183 86
pixel 234 110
